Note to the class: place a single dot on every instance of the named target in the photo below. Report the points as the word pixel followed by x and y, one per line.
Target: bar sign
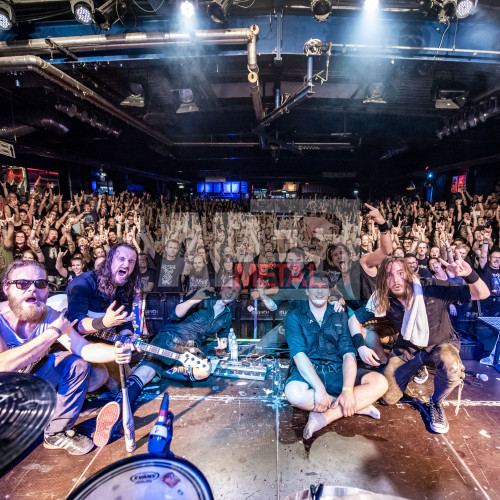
pixel 7 149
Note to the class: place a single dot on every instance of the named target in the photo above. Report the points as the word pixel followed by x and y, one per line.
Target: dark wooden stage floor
pixel 248 443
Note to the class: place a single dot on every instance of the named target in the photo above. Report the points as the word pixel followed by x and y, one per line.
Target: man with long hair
pixel 99 299
pixel 419 311
pixel 28 328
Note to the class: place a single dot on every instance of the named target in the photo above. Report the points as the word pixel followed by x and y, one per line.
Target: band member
pixel 419 311
pixel 28 327
pixel 324 378
pixel 102 299
pixel 198 326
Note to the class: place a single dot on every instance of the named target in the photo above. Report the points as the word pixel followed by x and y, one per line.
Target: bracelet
pixel 383 228
pixel 486 243
pixel 98 324
pixel 55 329
pixel 358 340
pixel 348 389
pixel 471 278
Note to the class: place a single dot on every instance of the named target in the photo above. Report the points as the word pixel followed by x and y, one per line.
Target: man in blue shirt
pixel 212 321
pixel 324 378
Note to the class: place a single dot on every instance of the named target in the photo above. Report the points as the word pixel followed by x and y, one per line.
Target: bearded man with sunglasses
pixel 28 328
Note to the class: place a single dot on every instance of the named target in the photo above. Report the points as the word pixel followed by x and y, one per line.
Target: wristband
pixel 471 278
pixel 485 243
pixel 348 389
pixel 98 324
pixel 358 340
pixel 55 329
pixel 383 228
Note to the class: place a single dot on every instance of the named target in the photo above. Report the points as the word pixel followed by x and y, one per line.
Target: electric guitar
pixel 187 359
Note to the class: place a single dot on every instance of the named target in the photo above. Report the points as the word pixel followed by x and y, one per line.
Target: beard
pixel 25 312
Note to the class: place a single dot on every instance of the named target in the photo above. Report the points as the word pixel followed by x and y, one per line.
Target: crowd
pixel 308 261
pixel 185 245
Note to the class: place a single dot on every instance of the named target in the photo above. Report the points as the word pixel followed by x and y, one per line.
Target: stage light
pixel 411 187
pixel 429 175
pixel 7 17
pixel 218 10
pixel 321 9
pixel 465 8
pixel 443 10
pixel 371 4
pixel 187 8
pixel 187 102
pixel 83 10
pixel 110 13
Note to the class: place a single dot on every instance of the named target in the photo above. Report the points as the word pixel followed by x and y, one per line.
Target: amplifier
pixel 240 369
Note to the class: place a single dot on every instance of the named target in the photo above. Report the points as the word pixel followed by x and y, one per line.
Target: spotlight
pixel 376 93
pixel 429 175
pixel 7 17
pixel 321 9
pixel 218 10
pixel 465 8
pixel 187 8
pixel 411 187
pixel 371 4
pixel 443 10
pixel 110 13
pixel 82 10
pixel 188 104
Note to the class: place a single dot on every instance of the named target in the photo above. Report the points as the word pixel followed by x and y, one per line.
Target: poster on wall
pixel 458 183
pixel 16 178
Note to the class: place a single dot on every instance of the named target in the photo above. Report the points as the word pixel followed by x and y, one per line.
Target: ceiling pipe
pixel 55 75
pixel 89 43
pixel 94 43
pixel 253 74
pixel 32 124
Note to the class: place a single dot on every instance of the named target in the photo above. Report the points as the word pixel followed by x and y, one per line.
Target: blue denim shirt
pixel 84 297
pixel 326 343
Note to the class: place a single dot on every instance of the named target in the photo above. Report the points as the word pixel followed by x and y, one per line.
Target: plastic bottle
pixel 233 345
pixel 160 436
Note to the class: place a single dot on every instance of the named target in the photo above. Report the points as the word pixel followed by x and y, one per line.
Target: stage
pixel 247 440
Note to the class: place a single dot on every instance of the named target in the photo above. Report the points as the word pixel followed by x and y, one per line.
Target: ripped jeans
pixel 404 362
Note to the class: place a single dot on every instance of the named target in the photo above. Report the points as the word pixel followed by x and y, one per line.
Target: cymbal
pixel 26 405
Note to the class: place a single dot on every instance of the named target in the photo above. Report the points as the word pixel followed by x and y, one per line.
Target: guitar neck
pixel 156 350
pixel 110 334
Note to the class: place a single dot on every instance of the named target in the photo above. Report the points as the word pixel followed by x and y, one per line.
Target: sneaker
pixel 71 441
pixel 438 422
pixel 421 376
pixel 107 418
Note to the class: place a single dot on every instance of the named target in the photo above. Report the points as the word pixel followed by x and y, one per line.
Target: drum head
pixel 26 405
pixel 146 477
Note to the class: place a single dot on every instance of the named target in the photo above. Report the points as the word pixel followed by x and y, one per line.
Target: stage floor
pixel 247 441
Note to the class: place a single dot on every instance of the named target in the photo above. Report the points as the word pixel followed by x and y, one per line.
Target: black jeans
pixel 405 362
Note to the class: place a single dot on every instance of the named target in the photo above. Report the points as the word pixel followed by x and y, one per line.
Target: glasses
pixel 25 284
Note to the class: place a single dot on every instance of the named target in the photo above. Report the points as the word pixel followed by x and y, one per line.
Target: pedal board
pixel 239 369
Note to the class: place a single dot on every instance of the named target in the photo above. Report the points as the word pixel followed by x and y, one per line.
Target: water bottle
pixel 233 346
pixel 481 376
pixel 160 436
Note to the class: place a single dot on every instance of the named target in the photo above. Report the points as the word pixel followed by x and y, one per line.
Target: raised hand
pixel 62 323
pixel 459 268
pixel 116 317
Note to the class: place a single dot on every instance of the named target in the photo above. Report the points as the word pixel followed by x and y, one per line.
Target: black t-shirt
pixel 438 295
pixel 149 276
pixel 50 255
pixel 492 279
pixel 169 273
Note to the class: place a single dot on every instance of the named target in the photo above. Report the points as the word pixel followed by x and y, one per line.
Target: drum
pixel 146 477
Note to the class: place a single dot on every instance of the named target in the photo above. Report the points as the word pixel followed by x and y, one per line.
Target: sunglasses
pixel 25 284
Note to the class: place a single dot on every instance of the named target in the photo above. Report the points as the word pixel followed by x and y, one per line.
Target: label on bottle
pixel 159 430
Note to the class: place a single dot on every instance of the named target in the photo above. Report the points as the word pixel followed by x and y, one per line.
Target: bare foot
pixel 315 422
pixel 370 411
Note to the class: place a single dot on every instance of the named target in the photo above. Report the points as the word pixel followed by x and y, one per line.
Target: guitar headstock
pixel 191 361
